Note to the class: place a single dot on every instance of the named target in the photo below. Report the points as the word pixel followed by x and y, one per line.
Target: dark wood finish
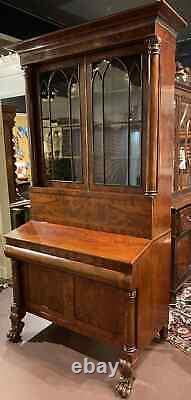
pixel 107 32
pixel 182 138
pixel 19 210
pixel 38 268
pixel 181 202
pixel 184 220
pixel 97 258
pixel 163 202
pixel 17 309
pixel 181 242
pixel 8 114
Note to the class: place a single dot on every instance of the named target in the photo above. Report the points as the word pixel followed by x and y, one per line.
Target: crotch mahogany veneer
pixel 96 256
pixel 109 286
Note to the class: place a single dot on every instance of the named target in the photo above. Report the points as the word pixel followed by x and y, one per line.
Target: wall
pixel 5 225
pixel 12 84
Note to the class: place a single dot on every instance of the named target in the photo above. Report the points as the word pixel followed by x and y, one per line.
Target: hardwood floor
pixel 40 366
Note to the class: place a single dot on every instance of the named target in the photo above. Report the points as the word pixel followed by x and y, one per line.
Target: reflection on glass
pixel 182 178
pixel 60 103
pixel 117 121
pixel 135 158
pixel 135 102
pixel 116 91
pixel 98 144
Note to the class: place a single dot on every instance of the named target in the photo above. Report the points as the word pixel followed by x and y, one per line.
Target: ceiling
pixel 20 18
pixel 25 19
pixel 69 12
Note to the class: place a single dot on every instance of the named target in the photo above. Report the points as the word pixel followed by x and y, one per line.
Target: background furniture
pixel 181 201
pixel 18 202
pixel 96 256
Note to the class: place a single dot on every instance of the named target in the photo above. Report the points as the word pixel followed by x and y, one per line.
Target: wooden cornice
pixel 113 30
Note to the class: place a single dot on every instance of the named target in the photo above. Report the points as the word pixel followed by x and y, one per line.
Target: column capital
pixel 153 45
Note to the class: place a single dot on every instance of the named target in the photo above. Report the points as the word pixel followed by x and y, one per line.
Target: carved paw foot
pixel 127 378
pixel 162 335
pixel 14 334
pixel 124 387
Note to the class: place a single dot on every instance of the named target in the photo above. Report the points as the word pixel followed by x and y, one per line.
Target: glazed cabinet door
pixel 116 119
pixel 61 98
pixel 182 159
pixel 94 120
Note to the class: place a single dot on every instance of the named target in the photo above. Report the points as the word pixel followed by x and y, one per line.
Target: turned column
pixel 153 51
pixel 128 352
pixel 17 309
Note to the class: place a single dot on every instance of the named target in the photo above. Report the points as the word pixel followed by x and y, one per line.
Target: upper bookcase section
pixel 116 30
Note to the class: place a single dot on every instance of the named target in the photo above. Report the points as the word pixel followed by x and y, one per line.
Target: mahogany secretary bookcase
pixel 96 255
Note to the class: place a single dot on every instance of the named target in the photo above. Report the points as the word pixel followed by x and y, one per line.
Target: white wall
pixel 5 225
pixel 12 83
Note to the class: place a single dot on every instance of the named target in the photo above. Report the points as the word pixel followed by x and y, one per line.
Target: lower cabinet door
pixel 85 305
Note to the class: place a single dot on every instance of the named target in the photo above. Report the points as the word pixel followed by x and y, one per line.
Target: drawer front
pixel 185 219
pixel 182 220
pixel 183 258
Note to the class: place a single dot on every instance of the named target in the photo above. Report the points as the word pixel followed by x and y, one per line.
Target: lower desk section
pixel 117 307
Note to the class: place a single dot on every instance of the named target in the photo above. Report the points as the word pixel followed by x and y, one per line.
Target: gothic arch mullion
pixel 52 75
pixel 103 116
pixel 108 66
pixel 50 91
pixel 51 137
pixel 135 66
pixel 44 85
pixel 142 111
pixel 50 125
pixel 70 126
pixel 120 62
pixel 94 77
pixel 129 131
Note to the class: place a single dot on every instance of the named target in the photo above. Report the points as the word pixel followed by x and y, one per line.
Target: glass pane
pixel 135 102
pixel 98 129
pixel 60 103
pixel 75 127
pixel 182 179
pixel 116 98
pixel 135 158
pixel 117 120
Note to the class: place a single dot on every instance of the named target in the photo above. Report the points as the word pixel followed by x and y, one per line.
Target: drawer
pixel 185 219
pixel 181 220
pixel 183 258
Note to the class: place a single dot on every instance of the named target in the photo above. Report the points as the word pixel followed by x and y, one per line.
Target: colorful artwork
pixel 22 152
